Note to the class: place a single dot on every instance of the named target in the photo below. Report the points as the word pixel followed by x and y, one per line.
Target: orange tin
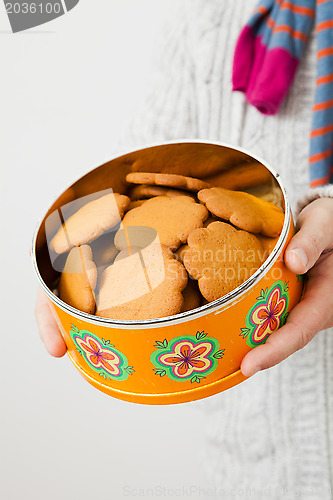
pixel 188 356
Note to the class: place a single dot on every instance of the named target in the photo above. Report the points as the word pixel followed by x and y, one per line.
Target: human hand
pixel 311 251
pixel 48 328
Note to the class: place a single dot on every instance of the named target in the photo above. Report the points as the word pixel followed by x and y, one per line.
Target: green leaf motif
pixel 79 351
pixel 200 335
pixel 74 328
pixel 197 378
pixel 284 319
pixel 286 287
pixel 161 373
pixel 219 354
pixel 129 370
pixel 161 345
pixel 300 277
pixel 263 294
pixel 245 332
pixel 107 342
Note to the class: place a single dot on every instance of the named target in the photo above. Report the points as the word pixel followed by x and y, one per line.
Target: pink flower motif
pixel 268 316
pixel 98 356
pixel 187 358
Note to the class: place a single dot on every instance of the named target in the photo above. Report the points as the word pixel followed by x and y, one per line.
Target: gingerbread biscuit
pixel 145 191
pixel 168 180
pixel 191 295
pixel 127 252
pixel 180 252
pixel 90 222
pixel 268 244
pixel 78 280
pixel 241 176
pixel 190 159
pixel 129 291
pixel 135 204
pixel 172 218
pixel 210 220
pixel 132 237
pixel 268 192
pixel 244 210
pixel 221 258
pixel 103 249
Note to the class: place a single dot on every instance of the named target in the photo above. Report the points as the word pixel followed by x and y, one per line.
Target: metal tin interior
pixel 216 305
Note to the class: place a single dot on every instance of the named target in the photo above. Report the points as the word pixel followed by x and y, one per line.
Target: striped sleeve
pixel 321 140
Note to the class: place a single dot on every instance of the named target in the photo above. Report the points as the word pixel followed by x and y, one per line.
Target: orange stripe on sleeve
pixel 323 105
pixel 270 22
pixel 297 9
pixel 322 131
pixel 287 29
pixel 320 156
pixel 325 52
pixel 262 10
pixel 320 182
pixel 324 25
pixel 325 79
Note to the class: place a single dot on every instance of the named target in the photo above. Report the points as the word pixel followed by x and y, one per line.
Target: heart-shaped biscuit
pixel 221 258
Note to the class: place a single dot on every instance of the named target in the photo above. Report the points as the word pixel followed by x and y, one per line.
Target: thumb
pixel 314 236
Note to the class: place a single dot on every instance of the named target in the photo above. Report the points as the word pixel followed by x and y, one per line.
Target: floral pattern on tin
pixel 100 355
pixel 267 315
pixel 189 357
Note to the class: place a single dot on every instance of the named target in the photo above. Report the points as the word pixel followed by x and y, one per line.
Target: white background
pixel 67 90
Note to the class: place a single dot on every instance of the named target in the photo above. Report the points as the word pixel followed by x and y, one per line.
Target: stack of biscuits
pixel 173 244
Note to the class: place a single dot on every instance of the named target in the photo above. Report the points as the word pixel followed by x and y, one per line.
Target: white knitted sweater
pixel 271 437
